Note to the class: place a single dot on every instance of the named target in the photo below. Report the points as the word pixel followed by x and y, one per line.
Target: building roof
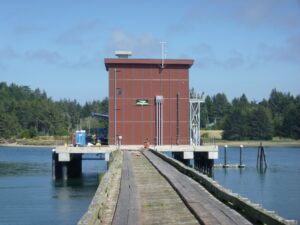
pixel 117 61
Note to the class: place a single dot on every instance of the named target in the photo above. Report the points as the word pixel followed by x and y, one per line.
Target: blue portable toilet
pixel 80 138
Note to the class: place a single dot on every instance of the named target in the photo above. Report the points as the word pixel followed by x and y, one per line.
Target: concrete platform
pixel 160 148
pixel 85 150
pixel 185 148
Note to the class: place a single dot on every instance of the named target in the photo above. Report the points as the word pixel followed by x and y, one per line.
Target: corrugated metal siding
pixel 136 123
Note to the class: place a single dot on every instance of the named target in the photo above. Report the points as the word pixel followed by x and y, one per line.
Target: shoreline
pixel 295 143
pixel 220 143
pixel 26 146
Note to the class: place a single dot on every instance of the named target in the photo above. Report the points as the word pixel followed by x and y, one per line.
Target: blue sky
pixel 246 46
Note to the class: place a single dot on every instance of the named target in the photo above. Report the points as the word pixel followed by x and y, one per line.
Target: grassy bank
pixel 288 143
pixel 215 136
pixel 41 141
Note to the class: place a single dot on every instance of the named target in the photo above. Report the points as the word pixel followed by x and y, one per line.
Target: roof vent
pixel 123 54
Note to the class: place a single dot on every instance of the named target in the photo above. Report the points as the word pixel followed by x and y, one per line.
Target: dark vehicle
pixel 99 135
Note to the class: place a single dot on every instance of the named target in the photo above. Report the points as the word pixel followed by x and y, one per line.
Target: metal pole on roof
pixel 163 53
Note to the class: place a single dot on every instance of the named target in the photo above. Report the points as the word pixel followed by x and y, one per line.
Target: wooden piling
pixel 261 157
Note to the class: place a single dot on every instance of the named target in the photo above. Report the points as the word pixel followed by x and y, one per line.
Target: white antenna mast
pixel 163 53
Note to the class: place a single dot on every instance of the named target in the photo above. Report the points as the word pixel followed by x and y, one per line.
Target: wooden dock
pixel 152 190
pixel 146 197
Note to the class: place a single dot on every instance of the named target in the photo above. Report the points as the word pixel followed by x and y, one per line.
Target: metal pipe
pixel 162 124
pixel 178 118
pixel 190 128
pixel 156 123
pixel 198 131
pixel 159 123
pixel 115 107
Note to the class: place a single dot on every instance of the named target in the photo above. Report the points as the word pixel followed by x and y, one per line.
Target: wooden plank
pixel 160 204
pixel 128 207
pixel 204 206
pixel 146 197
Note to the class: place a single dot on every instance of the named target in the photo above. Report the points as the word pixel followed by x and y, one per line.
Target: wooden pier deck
pixel 147 197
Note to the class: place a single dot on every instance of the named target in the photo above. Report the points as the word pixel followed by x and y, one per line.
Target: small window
pixel 119 91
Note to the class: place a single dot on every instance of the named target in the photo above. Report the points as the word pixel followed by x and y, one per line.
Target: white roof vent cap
pixel 123 54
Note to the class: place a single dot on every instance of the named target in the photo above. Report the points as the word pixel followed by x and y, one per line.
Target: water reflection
pixel 241 170
pixel 275 186
pixel 27 188
pixel 22 168
pixel 261 170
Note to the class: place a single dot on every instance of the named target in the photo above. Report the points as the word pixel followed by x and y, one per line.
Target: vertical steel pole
pixel 158 124
pixel 115 106
pixel 162 123
pixel 156 108
pixel 198 123
pixel 191 125
pixel 178 119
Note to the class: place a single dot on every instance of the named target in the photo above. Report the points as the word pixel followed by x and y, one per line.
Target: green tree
pixel 220 107
pixel 280 103
pixel 235 124
pixel 291 122
pixel 260 126
pixel 241 102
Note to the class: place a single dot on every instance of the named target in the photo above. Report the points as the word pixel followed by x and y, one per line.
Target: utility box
pixel 80 137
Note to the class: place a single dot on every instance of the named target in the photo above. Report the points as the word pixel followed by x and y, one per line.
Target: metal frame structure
pixel 195 121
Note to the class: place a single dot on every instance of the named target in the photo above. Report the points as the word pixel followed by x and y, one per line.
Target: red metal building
pixel 148 100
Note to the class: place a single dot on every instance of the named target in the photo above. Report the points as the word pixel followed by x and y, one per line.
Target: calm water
pixel 277 188
pixel 29 196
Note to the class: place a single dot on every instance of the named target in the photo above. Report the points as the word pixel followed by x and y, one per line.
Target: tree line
pixel 240 119
pixel 25 113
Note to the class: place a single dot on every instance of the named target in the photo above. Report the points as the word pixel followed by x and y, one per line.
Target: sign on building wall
pixel 142 102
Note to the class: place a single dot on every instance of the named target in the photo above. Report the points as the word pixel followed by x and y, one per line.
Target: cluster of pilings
pixel 261 158
pixel 180 157
pixel 201 161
